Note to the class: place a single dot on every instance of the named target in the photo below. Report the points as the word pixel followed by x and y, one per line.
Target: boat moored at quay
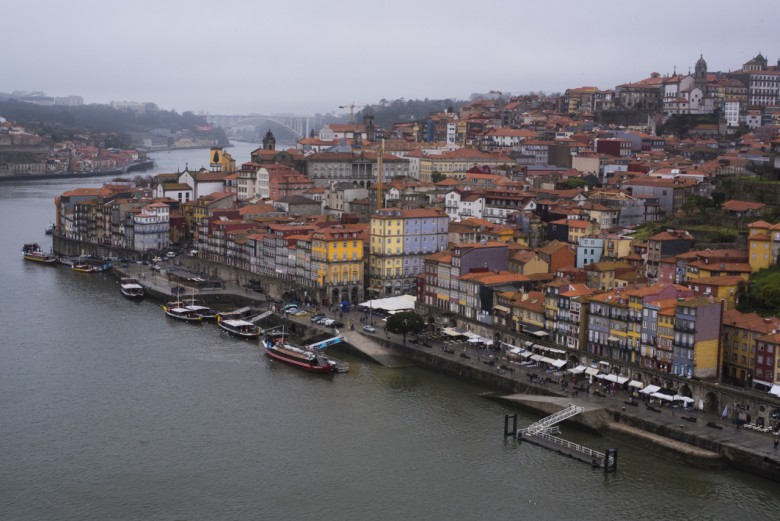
pixel 308 358
pixel 177 311
pixel 33 252
pixel 131 288
pixel 238 327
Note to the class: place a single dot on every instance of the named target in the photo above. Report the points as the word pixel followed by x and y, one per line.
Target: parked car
pixel 336 323
pixel 170 254
pixel 315 317
pixel 328 322
pixel 370 329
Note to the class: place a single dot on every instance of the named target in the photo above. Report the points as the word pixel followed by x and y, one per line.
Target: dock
pixel 543 432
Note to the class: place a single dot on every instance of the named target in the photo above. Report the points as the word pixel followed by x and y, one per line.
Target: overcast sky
pixel 305 56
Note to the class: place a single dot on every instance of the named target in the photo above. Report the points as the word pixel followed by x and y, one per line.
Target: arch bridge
pixel 298 125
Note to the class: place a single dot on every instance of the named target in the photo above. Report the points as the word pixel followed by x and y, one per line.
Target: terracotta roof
pixel 742 206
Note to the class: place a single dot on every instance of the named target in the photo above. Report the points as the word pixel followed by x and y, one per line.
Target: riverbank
pixel 689 436
pixel 132 167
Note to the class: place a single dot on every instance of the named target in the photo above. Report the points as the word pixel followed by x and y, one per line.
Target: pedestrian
pixel 776 443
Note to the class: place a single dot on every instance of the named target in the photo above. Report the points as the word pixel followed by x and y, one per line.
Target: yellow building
pixel 221 161
pixel 455 163
pixel 400 239
pixel 763 243
pixel 739 334
pixel 337 262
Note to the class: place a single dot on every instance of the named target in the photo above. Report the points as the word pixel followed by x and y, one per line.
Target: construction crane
pixel 351 108
pixel 379 180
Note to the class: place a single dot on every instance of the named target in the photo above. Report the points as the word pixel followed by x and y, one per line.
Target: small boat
pixel 238 327
pixel 130 288
pixel 83 267
pixel 174 310
pixel 303 357
pixel 49 229
pixel 205 312
pixel 33 252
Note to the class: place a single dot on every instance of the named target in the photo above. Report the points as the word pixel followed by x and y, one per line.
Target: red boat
pixel 299 357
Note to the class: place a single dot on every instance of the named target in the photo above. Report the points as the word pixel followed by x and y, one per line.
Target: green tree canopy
pixel 405 322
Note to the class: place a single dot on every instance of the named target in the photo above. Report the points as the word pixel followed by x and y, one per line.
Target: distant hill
pixel 128 127
pixel 402 110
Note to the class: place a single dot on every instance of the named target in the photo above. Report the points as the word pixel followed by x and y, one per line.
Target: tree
pixel 437 176
pixel 405 322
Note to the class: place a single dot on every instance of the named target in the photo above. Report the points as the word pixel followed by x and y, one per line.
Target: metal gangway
pixel 339 366
pixel 260 317
pixel 317 346
pixel 545 423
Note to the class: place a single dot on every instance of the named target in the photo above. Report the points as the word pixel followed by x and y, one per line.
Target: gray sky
pixel 305 56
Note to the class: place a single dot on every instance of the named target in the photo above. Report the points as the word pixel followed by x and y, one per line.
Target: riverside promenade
pixel 691 436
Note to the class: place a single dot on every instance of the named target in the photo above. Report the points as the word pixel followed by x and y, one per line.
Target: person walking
pixel 776 442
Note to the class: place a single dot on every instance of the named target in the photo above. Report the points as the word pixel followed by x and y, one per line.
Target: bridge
pixel 298 125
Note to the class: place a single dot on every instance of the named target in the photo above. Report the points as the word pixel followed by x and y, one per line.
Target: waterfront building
pixel 741 332
pixel 400 239
pixel 766 370
pixel 337 263
pixel 151 228
pixel 697 338
pixel 622 324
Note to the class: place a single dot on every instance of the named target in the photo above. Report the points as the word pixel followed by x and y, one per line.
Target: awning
pixel 540 333
pixel 650 389
pixel 685 399
pixel 762 382
pixel 613 378
pixel 577 370
pixel 536 357
pixel 592 371
pixel 662 396
pixel 558 363
pixel 501 308
pixel 529 343
pixel 556 351
pixel 775 390
pixel 526 354
pixel 636 383
pixel 451 332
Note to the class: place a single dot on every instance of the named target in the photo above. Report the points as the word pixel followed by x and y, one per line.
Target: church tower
pixel 700 75
pixel 269 141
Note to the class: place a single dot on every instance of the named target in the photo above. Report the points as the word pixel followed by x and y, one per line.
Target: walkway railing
pixel 595 455
pixel 546 423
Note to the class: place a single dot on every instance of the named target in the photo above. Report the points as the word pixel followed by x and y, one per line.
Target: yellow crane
pixel 351 108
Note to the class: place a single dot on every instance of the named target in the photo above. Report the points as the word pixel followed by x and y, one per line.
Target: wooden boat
pixel 174 310
pixel 83 267
pixel 33 252
pixel 130 288
pixel 309 358
pixel 238 327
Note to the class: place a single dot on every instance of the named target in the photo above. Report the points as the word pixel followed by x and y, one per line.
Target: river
pixel 112 411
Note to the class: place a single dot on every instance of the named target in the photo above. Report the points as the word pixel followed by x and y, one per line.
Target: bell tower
pixel 269 141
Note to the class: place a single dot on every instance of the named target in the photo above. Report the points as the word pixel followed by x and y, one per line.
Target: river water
pixel 112 411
